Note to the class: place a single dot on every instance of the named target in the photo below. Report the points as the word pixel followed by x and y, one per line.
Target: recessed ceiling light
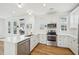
pixel 20 5
pixel 29 12
pixel 44 4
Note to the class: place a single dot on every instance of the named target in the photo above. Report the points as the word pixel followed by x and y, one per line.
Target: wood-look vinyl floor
pixel 1 47
pixel 42 49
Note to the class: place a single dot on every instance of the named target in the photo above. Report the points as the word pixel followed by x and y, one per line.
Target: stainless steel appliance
pixel 51 38
pixel 51 25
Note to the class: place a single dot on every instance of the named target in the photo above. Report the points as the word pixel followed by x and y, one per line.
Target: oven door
pixel 51 37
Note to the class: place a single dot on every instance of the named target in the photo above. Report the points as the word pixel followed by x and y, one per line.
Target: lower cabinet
pixel 68 42
pixel 43 38
pixel 74 45
pixel 23 47
pixel 26 46
pixel 33 42
pixel 62 41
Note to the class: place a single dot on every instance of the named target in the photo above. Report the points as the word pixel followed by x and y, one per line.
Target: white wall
pixel 2 28
pixel 38 20
pixel 44 20
pixel 30 20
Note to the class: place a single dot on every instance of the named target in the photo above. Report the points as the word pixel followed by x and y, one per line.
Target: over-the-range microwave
pixel 51 25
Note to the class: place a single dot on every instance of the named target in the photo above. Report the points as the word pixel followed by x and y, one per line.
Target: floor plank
pixel 42 49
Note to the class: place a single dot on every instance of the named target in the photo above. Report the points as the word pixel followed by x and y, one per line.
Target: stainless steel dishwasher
pixel 23 47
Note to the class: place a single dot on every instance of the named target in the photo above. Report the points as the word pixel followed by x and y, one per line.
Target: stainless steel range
pixel 51 34
pixel 52 38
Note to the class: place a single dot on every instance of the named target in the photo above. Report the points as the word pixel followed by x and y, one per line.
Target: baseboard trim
pixel 72 51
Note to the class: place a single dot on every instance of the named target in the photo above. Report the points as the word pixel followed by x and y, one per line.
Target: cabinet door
pixel 43 39
pixel 33 42
pixel 66 41
pixel 40 38
pixel 75 46
pixel 69 44
pixel 74 21
pixel 62 41
pixel 23 48
pixel 36 39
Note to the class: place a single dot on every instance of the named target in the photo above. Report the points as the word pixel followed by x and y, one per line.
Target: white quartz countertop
pixel 15 39
pixel 73 36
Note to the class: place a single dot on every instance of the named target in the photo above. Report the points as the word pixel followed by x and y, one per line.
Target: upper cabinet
pixel 74 16
pixel 74 21
pixel 64 22
pixel 16 26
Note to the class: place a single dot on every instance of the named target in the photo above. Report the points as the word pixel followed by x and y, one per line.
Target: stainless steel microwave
pixel 51 25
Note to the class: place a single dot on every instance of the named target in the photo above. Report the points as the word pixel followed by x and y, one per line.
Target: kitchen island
pixel 19 45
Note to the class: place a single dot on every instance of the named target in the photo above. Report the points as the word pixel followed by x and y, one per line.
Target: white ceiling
pixel 9 9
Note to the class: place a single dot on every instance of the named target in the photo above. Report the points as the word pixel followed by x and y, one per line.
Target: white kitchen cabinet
pixel 62 41
pixel 33 42
pixel 63 24
pixel 74 16
pixel 74 45
pixel 74 21
pixel 43 38
pixel 68 42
